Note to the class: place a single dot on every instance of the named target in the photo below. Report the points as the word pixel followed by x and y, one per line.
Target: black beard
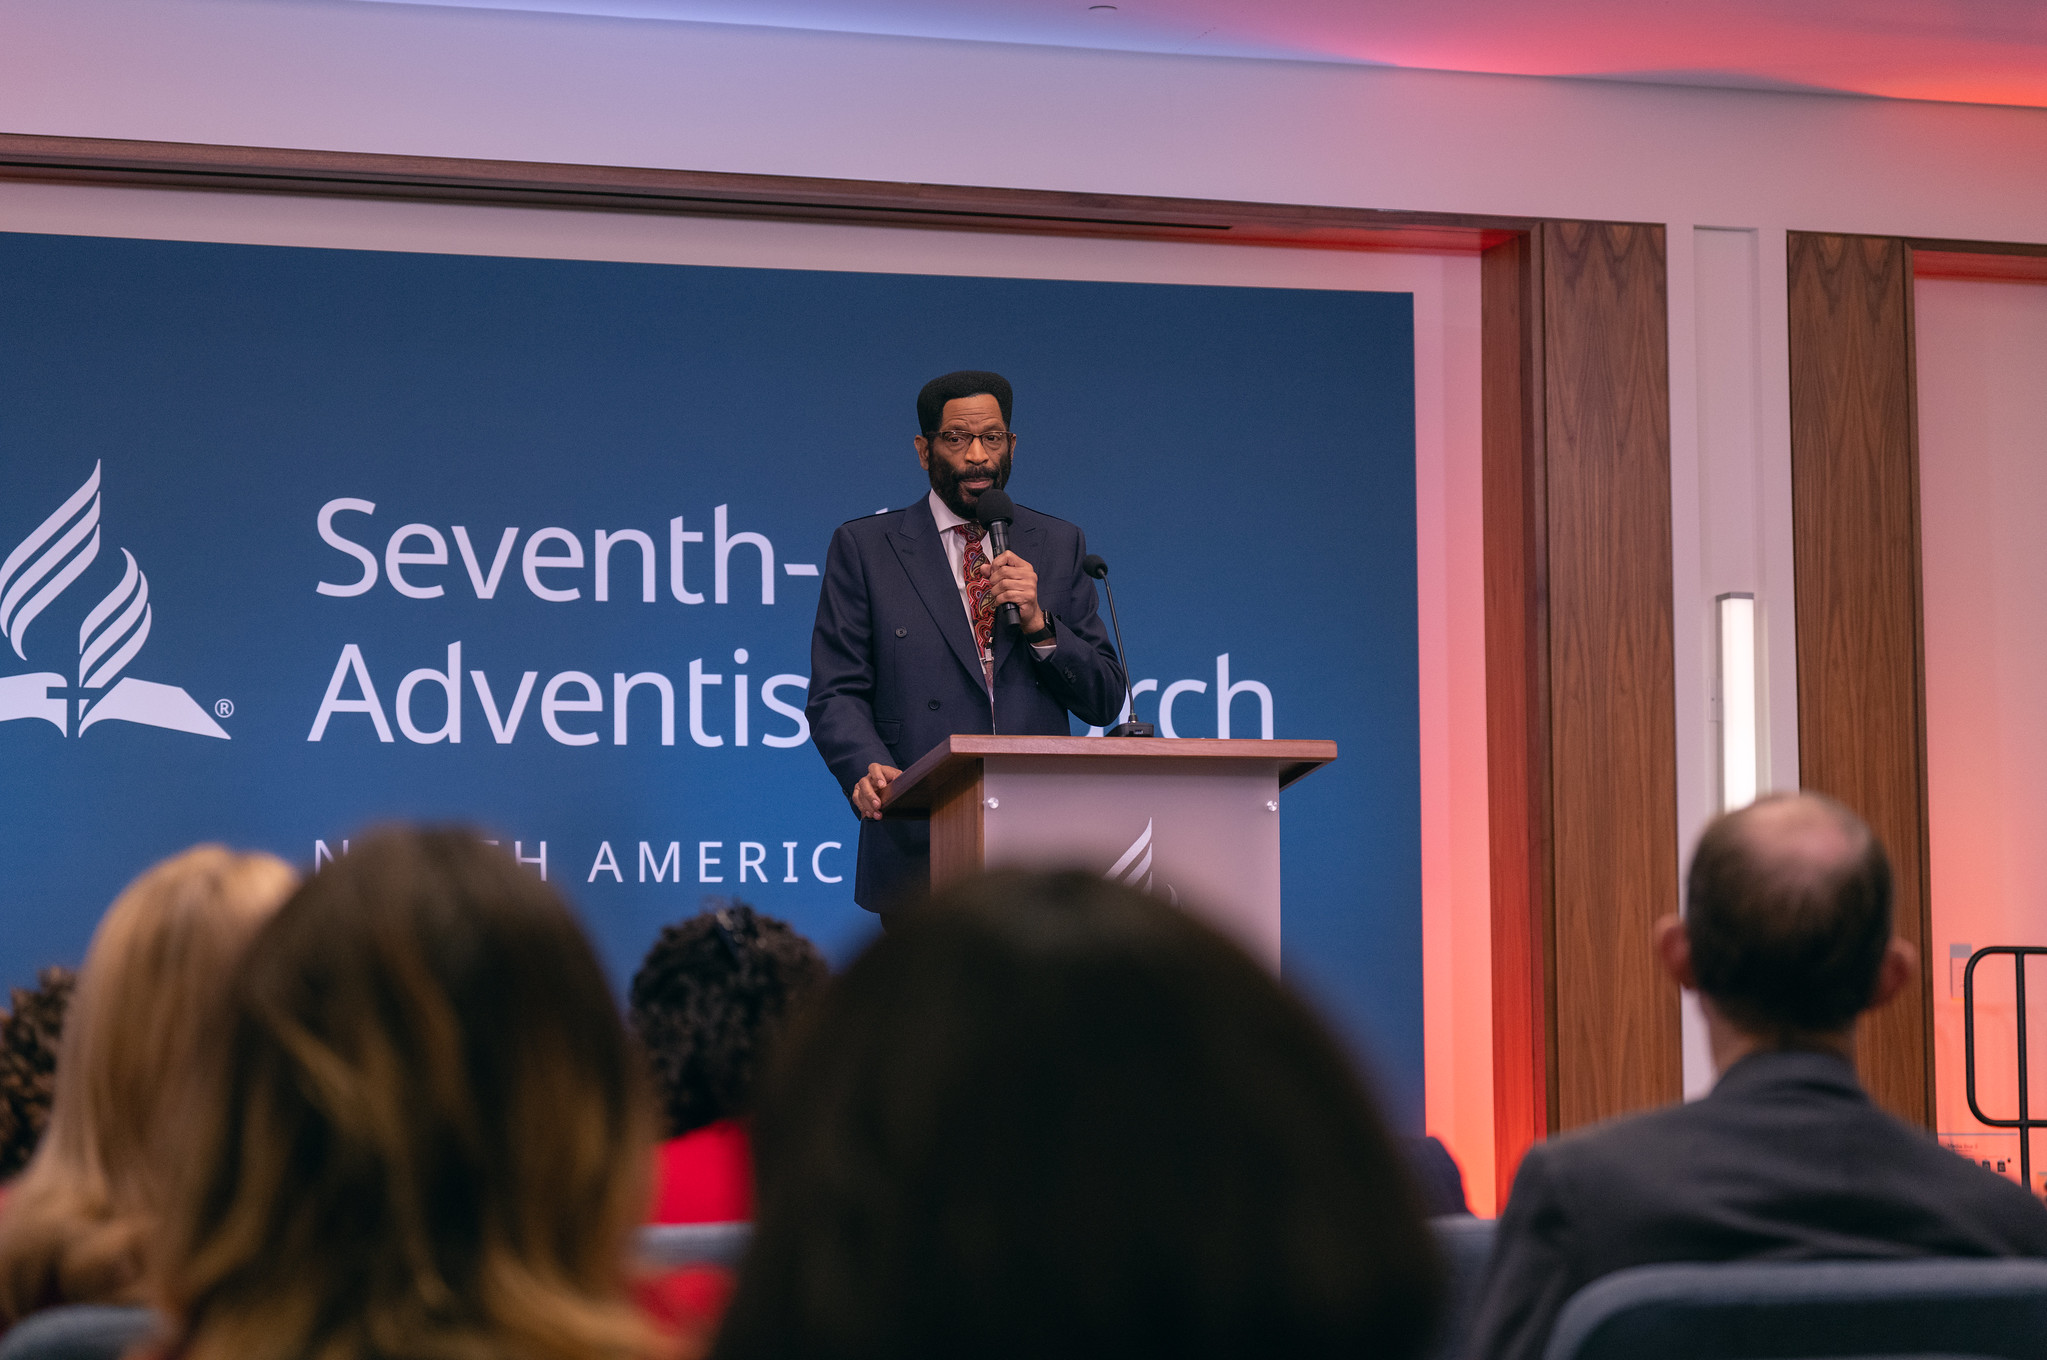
pixel 947 485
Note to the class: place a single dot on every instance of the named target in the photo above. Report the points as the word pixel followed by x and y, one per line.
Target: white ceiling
pixel 1968 51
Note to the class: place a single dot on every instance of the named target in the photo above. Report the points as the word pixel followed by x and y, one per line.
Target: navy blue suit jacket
pixel 894 670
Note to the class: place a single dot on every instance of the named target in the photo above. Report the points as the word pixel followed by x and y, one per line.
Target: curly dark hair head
pixel 707 1003
pixel 28 1064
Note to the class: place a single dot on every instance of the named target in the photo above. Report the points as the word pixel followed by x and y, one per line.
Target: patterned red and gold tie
pixel 978 592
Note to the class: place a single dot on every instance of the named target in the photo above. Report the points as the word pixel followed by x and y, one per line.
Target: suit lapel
pixel 923 559
pixel 1024 545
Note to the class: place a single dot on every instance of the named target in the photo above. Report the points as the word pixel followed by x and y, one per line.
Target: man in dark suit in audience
pixel 1787 941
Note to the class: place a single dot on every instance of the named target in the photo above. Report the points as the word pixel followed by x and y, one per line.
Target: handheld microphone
pixel 1097 568
pixel 997 512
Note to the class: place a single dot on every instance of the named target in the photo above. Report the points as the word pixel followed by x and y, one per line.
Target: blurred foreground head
pixel 154 978
pixel 1047 1115
pixel 425 1135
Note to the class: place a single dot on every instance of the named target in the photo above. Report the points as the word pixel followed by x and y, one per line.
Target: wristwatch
pixel 1043 635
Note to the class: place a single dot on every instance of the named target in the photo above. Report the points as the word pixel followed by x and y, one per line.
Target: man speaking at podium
pixel 911 643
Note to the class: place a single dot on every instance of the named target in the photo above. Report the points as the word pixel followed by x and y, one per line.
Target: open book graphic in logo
pixel 42 567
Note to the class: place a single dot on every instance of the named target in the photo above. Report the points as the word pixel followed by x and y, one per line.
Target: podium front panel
pixel 1200 833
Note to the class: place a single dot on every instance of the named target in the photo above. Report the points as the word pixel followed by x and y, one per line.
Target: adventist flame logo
pixel 1134 869
pixel 41 567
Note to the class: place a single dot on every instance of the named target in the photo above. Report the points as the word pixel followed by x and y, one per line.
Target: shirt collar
pixel 1809 1068
pixel 942 513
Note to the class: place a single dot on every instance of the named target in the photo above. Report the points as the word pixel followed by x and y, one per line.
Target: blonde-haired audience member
pixel 76 1221
pixel 422 1133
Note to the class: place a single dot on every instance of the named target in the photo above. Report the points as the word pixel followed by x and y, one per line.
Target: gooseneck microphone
pixel 997 512
pixel 1097 568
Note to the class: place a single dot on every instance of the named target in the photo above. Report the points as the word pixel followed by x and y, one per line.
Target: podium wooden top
pixel 939 767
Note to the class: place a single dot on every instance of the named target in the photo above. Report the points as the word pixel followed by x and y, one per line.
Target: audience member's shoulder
pixel 1977 1194
pixel 1624 1139
pixel 2004 1202
pixel 1623 1169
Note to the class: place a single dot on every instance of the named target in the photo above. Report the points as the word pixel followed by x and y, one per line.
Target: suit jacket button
pixel 934 704
pixel 902 632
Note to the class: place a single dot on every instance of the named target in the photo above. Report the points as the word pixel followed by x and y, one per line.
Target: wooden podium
pixel 1195 820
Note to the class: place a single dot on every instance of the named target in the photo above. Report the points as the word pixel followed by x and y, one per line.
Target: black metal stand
pixel 1097 568
pixel 2025 1123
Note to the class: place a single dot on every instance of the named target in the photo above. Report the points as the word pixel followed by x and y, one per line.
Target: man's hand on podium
pixel 867 793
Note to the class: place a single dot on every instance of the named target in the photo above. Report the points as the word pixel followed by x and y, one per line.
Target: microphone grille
pixel 1094 566
pixel 995 507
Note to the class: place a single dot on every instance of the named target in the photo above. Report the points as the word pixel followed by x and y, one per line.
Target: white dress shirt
pixel 956 554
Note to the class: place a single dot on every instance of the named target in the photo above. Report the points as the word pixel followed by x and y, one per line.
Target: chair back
pixel 1466 1246
pixel 671 1246
pixel 1809 1310
pixel 78 1331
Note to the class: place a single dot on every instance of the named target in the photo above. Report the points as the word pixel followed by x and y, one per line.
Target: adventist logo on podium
pixel 42 567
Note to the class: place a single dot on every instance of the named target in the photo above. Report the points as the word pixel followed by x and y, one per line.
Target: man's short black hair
pixel 1788 909
pixel 709 1000
pixel 968 382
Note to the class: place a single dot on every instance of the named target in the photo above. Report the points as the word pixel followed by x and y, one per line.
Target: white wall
pixel 1982 349
pixel 1727 171
pixel 464 82
pixel 342 75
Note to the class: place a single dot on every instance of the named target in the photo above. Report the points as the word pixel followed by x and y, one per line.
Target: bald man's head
pixel 1788 910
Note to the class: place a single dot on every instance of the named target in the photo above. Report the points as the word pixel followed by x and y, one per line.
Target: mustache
pixel 998 473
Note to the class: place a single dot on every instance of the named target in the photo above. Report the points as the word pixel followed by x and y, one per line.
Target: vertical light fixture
pixel 1739 747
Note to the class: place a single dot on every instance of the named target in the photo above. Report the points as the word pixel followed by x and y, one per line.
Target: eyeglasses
pixel 956 441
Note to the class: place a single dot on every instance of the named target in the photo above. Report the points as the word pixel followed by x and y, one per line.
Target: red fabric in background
pixel 688 1302
pixel 701 1177
pixel 704 1177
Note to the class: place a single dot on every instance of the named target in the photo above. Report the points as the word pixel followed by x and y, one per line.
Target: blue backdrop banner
pixel 294 541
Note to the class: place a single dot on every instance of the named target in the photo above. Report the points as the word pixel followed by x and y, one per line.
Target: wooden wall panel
pixel 1611 671
pixel 1581 730
pixel 1517 701
pixel 1855 516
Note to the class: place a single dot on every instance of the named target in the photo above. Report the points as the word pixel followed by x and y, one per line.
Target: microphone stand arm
pixel 1133 728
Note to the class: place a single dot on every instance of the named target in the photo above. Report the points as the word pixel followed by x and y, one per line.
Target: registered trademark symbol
pixel 224 708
